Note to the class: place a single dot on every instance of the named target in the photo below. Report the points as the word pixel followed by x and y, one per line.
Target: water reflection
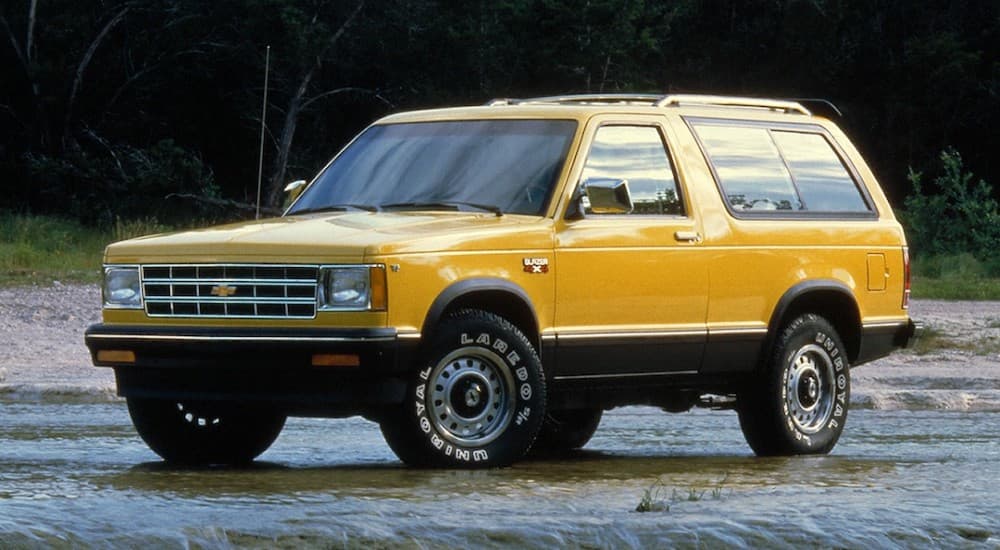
pixel 906 478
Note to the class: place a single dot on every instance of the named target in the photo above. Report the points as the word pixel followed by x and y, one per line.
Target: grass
pixel 955 288
pixel 41 249
pixel 956 277
pixel 653 500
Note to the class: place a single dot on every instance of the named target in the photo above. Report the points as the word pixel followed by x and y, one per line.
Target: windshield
pixel 501 165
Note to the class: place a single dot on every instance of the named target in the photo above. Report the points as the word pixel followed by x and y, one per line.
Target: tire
pixel 567 430
pixel 477 399
pixel 205 432
pixel 800 404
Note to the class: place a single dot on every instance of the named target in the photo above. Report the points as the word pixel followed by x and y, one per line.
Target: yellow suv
pixel 485 280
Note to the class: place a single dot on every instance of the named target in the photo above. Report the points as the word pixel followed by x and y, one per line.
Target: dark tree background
pixel 127 109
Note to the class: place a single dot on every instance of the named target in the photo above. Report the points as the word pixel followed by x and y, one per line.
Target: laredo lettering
pixel 500 346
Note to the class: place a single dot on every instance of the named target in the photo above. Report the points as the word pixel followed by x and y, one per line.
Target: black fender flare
pixel 465 287
pixel 801 289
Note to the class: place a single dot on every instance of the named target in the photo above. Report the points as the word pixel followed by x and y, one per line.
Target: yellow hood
pixel 342 237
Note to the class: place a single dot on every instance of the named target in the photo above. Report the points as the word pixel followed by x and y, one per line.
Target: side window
pixel 761 168
pixel 751 172
pixel 638 155
pixel 823 182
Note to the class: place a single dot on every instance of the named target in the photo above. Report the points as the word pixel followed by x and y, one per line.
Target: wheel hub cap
pixel 470 396
pixel 809 388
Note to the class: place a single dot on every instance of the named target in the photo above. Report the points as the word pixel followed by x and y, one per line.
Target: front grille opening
pixel 230 291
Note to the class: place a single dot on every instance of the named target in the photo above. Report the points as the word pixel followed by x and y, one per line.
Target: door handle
pixel 687 236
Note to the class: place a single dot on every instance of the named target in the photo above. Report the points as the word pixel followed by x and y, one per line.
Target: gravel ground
pixel 43 356
pixel 42 351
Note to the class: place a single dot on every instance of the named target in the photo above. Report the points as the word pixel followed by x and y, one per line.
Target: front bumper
pixel 256 364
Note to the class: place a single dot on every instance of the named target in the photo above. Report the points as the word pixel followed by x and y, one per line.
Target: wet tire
pixel 567 430
pixel 202 432
pixel 799 405
pixel 477 399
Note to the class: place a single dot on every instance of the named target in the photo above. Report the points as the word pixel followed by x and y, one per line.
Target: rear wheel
pixel 799 405
pixel 568 429
pixel 477 400
pixel 205 432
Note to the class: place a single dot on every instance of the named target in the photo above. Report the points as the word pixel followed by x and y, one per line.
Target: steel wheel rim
pixel 195 418
pixel 809 388
pixel 470 397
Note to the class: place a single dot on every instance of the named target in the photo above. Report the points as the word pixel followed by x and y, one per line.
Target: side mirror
pixel 608 196
pixel 293 190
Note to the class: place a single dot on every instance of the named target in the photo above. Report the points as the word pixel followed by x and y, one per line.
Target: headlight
pixel 121 287
pixel 352 288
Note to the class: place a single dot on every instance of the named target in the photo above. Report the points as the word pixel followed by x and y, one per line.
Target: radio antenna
pixel 263 119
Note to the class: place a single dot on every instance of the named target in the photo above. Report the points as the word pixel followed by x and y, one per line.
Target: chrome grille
pixel 248 291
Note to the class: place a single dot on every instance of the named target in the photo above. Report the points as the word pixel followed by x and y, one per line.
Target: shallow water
pixel 77 475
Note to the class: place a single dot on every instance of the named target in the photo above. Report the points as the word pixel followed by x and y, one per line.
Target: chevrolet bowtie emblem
pixel 224 291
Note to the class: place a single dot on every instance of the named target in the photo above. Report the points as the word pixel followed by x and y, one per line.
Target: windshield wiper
pixel 336 208
pixel 444 204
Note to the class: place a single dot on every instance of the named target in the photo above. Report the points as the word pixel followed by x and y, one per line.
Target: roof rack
pixel 653 100
pixel 581 99
pixel 823 107
pixel 733 101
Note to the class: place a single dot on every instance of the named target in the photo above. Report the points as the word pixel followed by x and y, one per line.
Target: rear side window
pixel 761 169
pixel 749 168
pixel 820 176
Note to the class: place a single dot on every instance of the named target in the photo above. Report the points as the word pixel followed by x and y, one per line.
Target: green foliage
pixel 956 289
pixel 40 249
pixel 960 215
pixel 99 186
pixel 653 500
pixel 189 73
pixel 129 229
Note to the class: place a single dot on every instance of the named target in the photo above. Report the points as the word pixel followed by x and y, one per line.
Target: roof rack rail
pixel 672 100
pixel 648 99
pixel 818 105
pixel 733 101
pixel 582 99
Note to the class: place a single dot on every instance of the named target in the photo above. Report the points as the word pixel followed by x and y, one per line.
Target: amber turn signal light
pixel 335 360
pixel 116 356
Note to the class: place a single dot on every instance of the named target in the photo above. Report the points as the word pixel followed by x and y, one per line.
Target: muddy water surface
pixel 77 475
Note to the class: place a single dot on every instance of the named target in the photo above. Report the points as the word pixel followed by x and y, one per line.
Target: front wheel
pixel 477 400
pixel 799 405
pixel 205 432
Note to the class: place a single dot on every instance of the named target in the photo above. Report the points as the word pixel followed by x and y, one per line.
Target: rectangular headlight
pixel 121 287
pixel 351 288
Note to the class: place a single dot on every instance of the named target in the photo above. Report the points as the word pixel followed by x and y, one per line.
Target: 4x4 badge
pixel 536 265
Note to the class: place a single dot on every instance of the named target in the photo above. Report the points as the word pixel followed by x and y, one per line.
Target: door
pixel 631 287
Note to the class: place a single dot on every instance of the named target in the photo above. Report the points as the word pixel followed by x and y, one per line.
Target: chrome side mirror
pixel 608 196
pixel 293 190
